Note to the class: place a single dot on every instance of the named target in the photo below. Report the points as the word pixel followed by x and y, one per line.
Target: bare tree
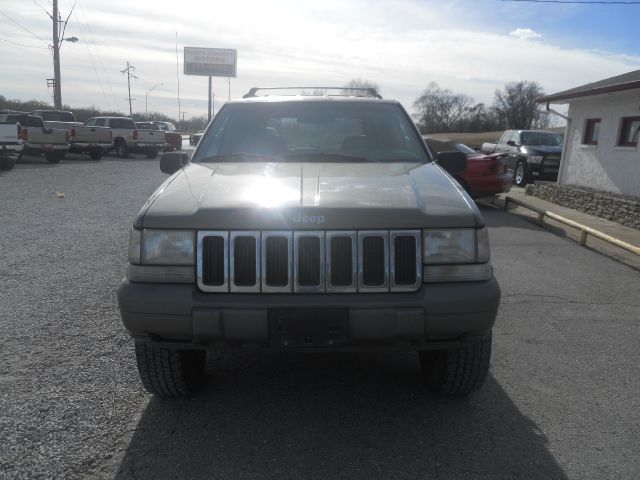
pixel 356 86
pixel 439 110
pixel 516 106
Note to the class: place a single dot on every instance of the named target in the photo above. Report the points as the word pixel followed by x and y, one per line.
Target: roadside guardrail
pixel 584 230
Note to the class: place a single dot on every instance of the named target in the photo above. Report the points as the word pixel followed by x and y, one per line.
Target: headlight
pixel 456 255
pixel 449 246
pixel 168 247
pixel 465 245
pixel 535 158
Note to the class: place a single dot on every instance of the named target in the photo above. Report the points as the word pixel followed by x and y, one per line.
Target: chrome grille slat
pixel 239 262
pixel 199 265
pixel 378 251
pixel 309 261
pixel 342 260
pixel 405 263
pixel 266 266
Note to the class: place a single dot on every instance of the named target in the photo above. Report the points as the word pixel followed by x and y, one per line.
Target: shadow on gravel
pixel 34 162
pixel 289 415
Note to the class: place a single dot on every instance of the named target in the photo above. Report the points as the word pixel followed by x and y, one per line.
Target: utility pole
pixel 57 88
pixel 58 38
pixel 129 76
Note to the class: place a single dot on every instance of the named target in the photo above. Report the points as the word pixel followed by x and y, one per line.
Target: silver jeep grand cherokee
pixel 310 223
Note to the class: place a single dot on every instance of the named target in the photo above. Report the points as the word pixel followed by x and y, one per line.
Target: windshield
pixel 57 116
pixel 461 147
pixel 541 138
pixel 313 131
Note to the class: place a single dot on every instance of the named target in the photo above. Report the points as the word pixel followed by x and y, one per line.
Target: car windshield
pixel 57 116
pixel 311 131
pixel 461 147
pixel 541 138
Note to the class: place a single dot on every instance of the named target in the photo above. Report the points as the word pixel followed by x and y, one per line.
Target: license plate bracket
pixel 308 328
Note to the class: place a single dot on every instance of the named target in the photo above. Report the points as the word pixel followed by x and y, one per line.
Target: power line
pixel 23 45
pixel 93 63
pixel 97 51
pixel 24 28
pixel 577 2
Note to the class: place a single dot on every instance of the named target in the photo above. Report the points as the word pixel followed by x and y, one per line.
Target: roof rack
pixel 320 91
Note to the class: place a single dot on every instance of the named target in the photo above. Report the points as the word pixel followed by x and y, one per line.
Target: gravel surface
pixel 561 400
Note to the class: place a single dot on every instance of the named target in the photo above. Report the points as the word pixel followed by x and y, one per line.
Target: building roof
pixel 626 81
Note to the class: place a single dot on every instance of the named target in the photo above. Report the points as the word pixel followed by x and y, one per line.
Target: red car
pixel 171 135
pixel 485 175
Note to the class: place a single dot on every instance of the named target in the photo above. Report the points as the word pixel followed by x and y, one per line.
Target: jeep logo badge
pixel 308 219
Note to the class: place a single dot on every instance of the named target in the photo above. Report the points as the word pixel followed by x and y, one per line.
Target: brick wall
pixel 618 208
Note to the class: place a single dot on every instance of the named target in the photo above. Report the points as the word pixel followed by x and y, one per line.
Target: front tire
pixel 169 372
pixel 95 153
pixel 7 163
pixel 121 149
pixel 521 174
pixel 54 157
pixel 457 372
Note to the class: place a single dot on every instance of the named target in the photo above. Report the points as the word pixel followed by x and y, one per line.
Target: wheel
pixel 7 163
pixel 151 153
pixel 169 372
pixel 121 149
pixel 457 372
pixel 95 153
pixel 54 157
pixel 521 176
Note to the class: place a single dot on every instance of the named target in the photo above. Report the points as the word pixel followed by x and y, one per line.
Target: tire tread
pixel 165 372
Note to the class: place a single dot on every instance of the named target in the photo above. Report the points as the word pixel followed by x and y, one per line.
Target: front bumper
pixel 437 314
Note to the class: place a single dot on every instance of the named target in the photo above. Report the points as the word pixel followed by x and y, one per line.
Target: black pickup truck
pixel 531 154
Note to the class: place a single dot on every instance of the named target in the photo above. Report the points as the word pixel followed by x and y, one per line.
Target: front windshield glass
pixel 57 117
pixel 311 131
pixel 541 138
pixel 466 150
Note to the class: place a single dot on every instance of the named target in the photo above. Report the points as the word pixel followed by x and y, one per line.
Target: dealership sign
pixel 210 62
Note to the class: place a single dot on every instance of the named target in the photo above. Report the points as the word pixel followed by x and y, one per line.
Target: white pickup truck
pixel 129 139
pixel 91 140
pixel 37 139
pixel 10 142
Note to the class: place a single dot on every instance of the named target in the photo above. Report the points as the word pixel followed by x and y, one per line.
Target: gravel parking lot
pixel 561 400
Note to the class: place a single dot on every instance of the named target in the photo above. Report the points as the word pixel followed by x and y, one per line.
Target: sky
pixel 470 47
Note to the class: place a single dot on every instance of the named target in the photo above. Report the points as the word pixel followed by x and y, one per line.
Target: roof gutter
pixel 592 91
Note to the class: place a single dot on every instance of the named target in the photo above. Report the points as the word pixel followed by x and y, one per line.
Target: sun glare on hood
pixel 269 193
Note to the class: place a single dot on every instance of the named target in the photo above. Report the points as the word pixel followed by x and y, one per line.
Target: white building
pixel 603 134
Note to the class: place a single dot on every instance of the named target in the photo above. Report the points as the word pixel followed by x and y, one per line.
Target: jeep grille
pixel 309 261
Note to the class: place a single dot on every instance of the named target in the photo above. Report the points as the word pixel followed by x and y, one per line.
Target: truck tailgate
pixel 92 135
pixel 151 137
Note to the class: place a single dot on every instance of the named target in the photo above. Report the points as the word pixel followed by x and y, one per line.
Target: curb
pixel 583 229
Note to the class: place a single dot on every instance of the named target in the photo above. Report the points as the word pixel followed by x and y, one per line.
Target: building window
pixel 629 132
pixel 591 131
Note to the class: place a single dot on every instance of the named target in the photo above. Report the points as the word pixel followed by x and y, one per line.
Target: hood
pixel 542 149
pixel 309 196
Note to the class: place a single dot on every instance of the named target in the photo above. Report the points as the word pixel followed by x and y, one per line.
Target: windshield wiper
pixel 241 156
pixel 325 156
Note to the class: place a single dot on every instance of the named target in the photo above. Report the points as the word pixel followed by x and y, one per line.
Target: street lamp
pixel 146 97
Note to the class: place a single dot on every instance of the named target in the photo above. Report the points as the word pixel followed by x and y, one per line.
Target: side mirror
pixel 452 162
pixel 511 143
pixel 172 162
